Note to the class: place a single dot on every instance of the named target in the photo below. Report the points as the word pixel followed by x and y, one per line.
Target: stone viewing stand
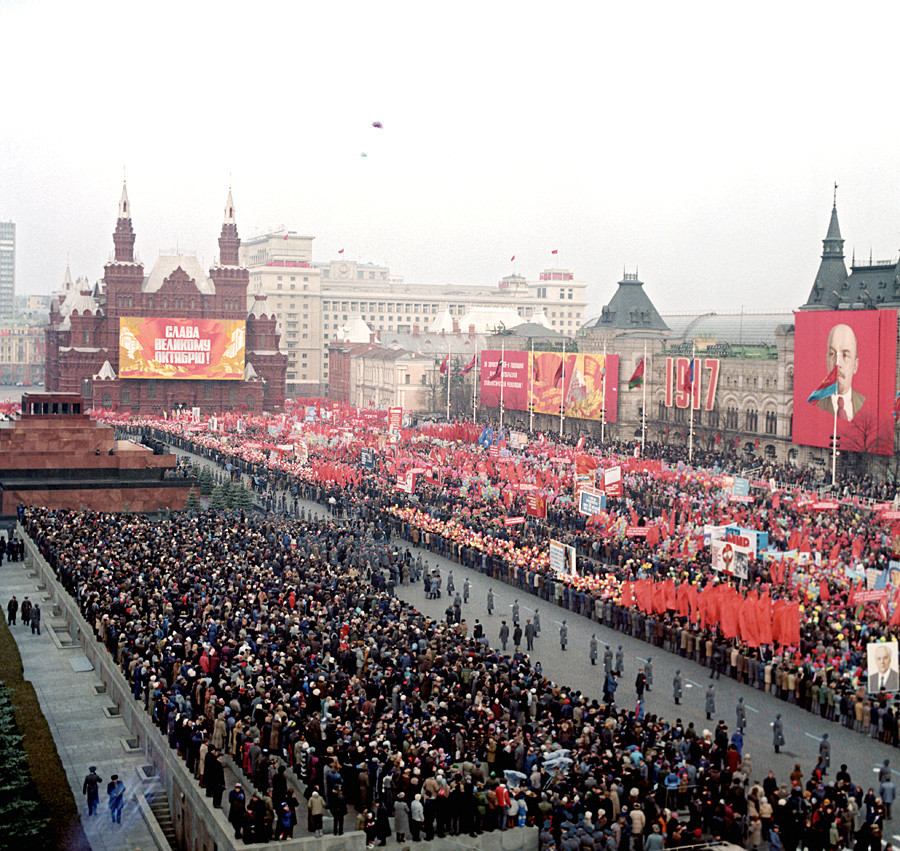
pixel 54 455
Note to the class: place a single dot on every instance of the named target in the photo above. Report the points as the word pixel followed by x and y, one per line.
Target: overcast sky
pixel 697 142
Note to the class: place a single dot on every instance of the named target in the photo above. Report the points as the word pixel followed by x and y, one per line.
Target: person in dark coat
pixel 778 733
pixel 91 785
pixel 382 823
pixel 710 702
pixel 677 688
pixel 214 775
pixel 337 804
pixel 237 809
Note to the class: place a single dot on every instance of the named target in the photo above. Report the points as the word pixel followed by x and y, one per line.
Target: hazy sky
pixel 697 142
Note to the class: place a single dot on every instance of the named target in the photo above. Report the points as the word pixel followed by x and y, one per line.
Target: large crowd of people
pixel 275 639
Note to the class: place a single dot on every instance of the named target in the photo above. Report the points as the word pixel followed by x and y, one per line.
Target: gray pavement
pixel 85 735
pixel 803 730
pixel 573 668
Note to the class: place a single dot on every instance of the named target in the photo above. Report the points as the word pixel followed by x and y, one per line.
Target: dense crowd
pixel 459 511
pixel 277 641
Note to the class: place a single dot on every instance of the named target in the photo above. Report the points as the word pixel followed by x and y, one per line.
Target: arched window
pixel 771 422
pixel 125 396
pixel 751 419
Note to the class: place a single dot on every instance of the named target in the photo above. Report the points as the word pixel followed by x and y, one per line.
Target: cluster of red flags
pixel 754 619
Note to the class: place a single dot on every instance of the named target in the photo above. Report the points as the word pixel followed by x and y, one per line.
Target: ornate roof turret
pixel 229 241
pixel 123 236
pixel 630 309
pixel 832 275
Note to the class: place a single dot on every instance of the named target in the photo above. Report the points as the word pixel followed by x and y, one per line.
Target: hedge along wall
pixel 37 807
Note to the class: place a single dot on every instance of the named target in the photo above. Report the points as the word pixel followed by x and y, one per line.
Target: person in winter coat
pixel 416 817
pixel 91 788
pixel 778 733
pixel 315 811
pixel 710 702
pixel 401 818
pixel 677 688
pixel 237 809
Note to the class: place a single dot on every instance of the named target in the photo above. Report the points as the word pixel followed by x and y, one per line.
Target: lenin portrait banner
pixel 862 346
pixel 588 384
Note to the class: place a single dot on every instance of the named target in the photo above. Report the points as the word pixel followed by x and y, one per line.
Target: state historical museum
pixel 173 338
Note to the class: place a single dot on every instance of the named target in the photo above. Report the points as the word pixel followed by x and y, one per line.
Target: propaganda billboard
pixel 862 345
pixel 152 347
pixel 581 382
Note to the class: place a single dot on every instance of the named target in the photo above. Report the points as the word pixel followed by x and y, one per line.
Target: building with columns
pixel 83 335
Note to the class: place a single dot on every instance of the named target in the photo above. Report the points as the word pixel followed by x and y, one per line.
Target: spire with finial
pixel 124 210
pixel 123 236
pixel 229 241
pixel 229 209
pixel 832 274
pixel 67 281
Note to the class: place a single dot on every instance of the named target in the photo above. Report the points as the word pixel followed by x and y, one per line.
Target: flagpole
pixel 643 402
pixel 475 383
pixel 448 379
pixel 691 401
pixel 562 391
pixel 502 357
pixel 834 450
pixel 531 391
pixel 603 409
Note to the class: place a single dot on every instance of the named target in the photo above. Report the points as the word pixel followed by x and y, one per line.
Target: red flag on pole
pixel 511 259
pixel 444 365
pixel 555 251
pixel 340 251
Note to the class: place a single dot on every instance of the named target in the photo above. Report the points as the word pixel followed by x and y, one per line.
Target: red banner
pixel 152 347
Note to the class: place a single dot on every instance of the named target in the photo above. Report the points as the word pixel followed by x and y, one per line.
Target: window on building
pixel 751 419
pixel 125 396
pixel 87 338
pixel 771 422
pixel 731 418
pixel 86 389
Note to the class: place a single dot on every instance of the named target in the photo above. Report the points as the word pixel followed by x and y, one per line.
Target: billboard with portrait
pixel 862 344
pixel 588 384
pixel 153 347
pixel 883 671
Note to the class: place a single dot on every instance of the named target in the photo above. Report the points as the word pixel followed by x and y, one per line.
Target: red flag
pixel 497 371
pixel 824 593
pixel 555 251
pixel 580 445
pixel 285 236
pixel 340 251
pixel 688 384
pixel 628 599
pixel 511 259
pixel 444 365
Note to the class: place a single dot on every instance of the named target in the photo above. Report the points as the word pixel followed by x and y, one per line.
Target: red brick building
pixel 83 335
